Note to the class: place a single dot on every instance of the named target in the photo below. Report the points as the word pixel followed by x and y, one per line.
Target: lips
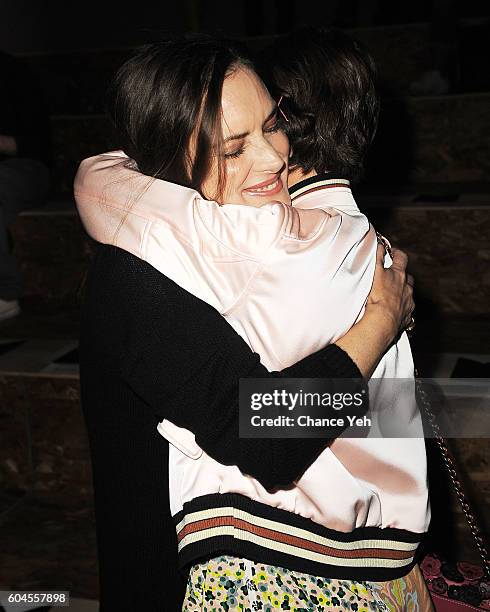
pixel 266 188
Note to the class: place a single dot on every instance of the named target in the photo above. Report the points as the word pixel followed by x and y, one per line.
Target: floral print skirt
pixel 239 585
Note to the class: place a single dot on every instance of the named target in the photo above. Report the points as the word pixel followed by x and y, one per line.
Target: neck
pixel 296 175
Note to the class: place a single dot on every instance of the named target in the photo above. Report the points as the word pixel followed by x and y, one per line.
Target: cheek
pixel 237 172
pixel 280 142
pixel 209 187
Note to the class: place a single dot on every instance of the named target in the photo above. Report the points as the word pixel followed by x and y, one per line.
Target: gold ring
pixel 411 326
pixel 385 242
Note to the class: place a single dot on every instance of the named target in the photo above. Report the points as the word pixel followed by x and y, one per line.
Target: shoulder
pixel 118 270
pixel 247 231
pixel 131 309
pixel 120 281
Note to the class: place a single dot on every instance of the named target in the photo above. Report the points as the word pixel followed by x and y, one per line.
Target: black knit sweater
pixel 150 350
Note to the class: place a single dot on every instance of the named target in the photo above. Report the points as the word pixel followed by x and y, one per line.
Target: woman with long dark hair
pixel 150 345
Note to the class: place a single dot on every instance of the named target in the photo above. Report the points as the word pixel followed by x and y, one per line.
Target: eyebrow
pixel 244 134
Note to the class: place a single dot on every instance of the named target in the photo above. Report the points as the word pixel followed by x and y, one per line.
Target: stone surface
pixel 53 324
pixel 48 545
pixel 45 445
pixel 452 136
pixel 449 531
pixel 441 139
pixel 53 251
pixel 15 459
pixel 449 255
pixel 473 458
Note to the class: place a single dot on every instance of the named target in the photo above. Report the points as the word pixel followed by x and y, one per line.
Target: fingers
pixel 380 255
pixel 400 259
pixel 409 306
pixel 411 303
pixel 393 286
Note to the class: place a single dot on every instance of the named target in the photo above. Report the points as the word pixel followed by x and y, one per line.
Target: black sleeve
pixel 185 362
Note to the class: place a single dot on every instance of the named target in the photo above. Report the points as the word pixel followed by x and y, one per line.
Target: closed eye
pixel 275 123
pixel 273 128
pixel 235 154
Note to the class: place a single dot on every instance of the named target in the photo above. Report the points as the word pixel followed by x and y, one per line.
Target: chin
pixel 259 202
pixel 284 197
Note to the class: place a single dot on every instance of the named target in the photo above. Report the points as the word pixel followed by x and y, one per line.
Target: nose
pixel 268 159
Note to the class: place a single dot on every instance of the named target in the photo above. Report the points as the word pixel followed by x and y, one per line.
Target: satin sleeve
pixel 210 250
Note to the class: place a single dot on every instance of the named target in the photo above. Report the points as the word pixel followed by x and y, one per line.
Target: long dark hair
pixel 327 81
pixel 166 99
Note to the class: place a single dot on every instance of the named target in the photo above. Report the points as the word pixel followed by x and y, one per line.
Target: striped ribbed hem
pixel 315 183
pixel 236 525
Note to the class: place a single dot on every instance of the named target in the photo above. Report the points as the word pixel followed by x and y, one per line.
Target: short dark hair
pixel 328 84
pixel 168 93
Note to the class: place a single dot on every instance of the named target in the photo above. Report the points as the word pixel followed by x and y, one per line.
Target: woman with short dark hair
pixel 326 82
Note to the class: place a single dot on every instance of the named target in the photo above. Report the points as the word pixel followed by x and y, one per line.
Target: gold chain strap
pixel 453 475
pixel 446 457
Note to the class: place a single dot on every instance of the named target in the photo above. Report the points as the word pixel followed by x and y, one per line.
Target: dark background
pixel 29 26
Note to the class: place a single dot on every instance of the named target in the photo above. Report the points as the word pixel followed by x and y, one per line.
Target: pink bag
pixel 444 604
pixel 455 586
